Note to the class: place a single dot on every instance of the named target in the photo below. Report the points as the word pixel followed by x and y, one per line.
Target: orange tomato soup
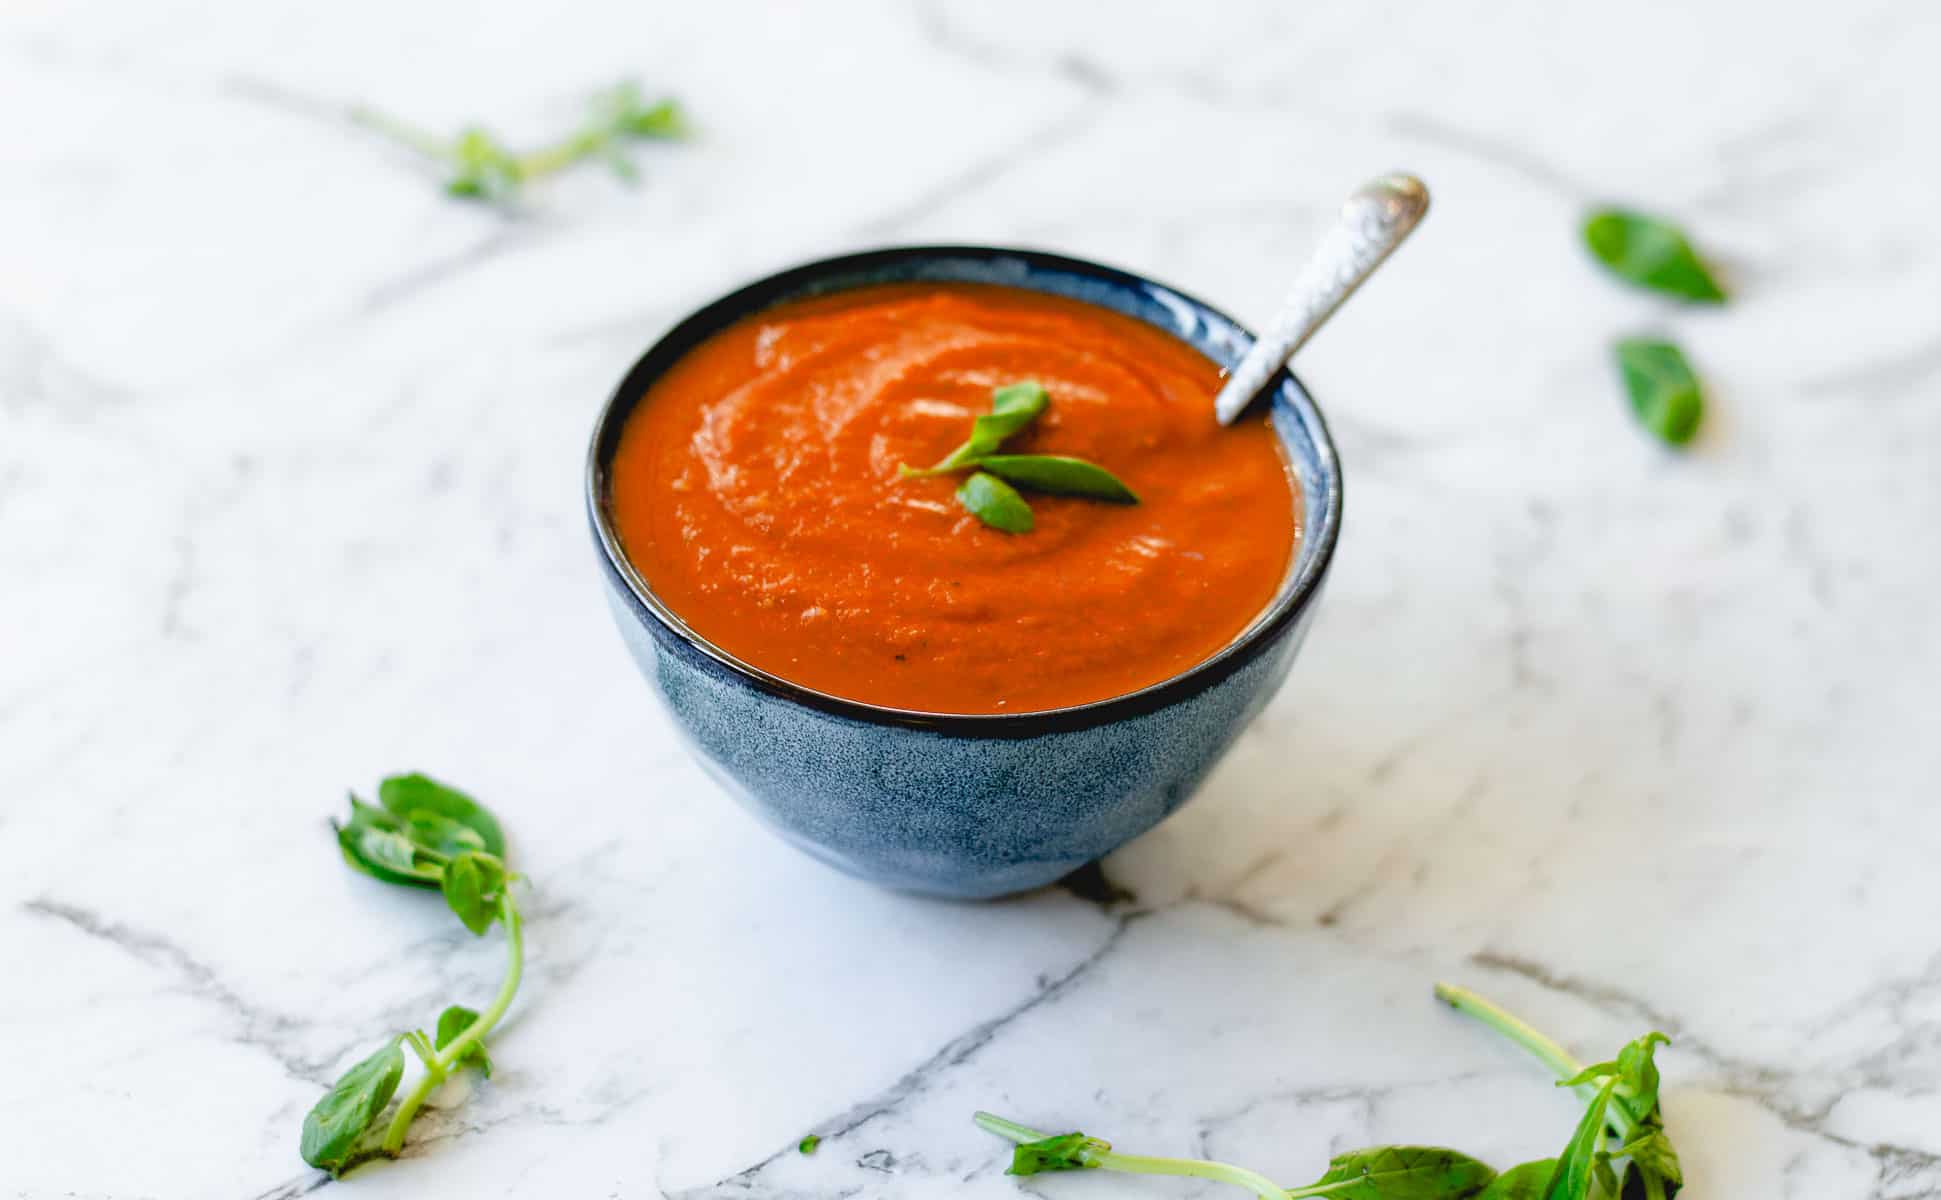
pixel 755 489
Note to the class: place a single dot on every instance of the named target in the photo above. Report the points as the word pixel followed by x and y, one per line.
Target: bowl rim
pixel 777 286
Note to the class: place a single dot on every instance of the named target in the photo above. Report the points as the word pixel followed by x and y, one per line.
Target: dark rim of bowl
pixel 768 290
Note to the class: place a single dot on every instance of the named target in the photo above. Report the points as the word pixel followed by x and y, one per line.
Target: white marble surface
pixel 290 453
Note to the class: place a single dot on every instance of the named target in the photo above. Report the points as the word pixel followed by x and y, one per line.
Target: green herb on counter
pixel 1618 1150
pixel 1633 1120
pixel 481 167
pixel 1650 253
pixel 1400 1171
pixel 808 1144
pixel 1664 391
pixel 1526 1181
pixel 420 834
pixel 993 501
pixel 351 1106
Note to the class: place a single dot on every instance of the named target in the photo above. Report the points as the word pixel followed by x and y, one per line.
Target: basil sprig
pixel 427 835
pixel 1012 408
pixel 480 166
pixel 986 495
pixel 1650 253
pixel 1618 1151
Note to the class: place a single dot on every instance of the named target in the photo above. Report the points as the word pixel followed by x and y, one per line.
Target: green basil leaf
pixel 1066 1152
pixel 440 834
pixel 333 1126
pixel 1591 1074
pixel 1664 392
pixel 995 502
pixel 1652 1157
pixel 370 814
pixel 808 1144
pixel 1012 408
pixel 661 120
pixel 1025 400
pixel 1522 1182
pixel 386 854
pixel 1637 1072
pixel 472 885
pixel 622 109
pixel 404 795
pixel 1401 1173
pixel 1651 253
pixel 454 1021
pixel 482 167
pixel 1571 1178
pixel 1060 476
pixel 1651 1151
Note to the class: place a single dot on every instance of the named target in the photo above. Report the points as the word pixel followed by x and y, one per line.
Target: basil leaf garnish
pixel 1059 476
pixel 1665 393
pixel 995 502
pixel 1012 408
pixel 333 1127
pixel 405 796
pixel 1025 400
pixel 1650 253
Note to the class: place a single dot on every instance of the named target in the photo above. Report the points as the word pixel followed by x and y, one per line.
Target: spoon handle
pixel 1373 222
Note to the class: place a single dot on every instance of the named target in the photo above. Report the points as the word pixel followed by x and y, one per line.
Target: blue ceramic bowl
pixel 967 805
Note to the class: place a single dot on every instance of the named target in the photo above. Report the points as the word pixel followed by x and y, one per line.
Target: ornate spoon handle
pixel 1373 222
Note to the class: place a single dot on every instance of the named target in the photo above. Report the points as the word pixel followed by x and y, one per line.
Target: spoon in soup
pixel 1373 222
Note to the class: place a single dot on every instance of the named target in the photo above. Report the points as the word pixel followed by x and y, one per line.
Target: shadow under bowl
pixel 967 806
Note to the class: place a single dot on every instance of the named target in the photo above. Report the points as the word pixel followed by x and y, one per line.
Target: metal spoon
pixel 1373 222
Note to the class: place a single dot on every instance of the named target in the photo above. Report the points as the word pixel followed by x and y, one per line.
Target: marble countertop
pixel 290 454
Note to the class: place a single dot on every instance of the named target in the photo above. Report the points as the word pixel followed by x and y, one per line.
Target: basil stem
pixel 1090 1155
pixel 442 1063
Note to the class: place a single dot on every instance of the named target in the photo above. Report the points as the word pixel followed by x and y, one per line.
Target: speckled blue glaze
pixel 954 805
